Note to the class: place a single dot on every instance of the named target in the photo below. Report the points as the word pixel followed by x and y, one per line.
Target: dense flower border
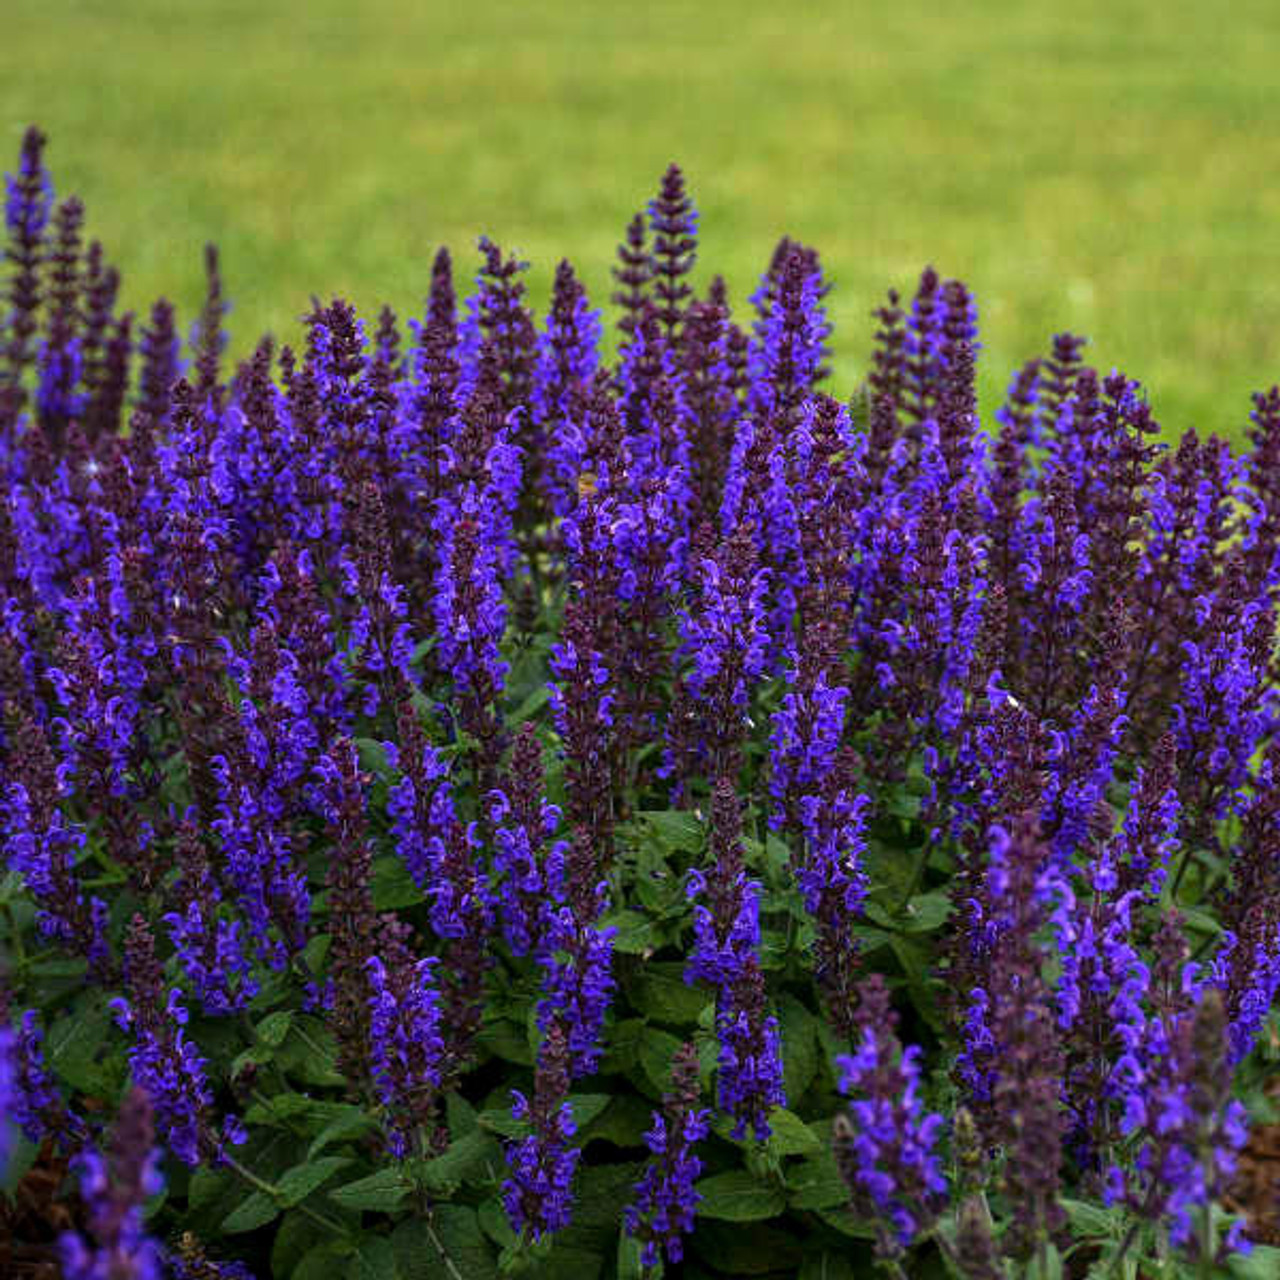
pixel 403 742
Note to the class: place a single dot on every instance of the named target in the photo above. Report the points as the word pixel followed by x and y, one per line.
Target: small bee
pixel 587 484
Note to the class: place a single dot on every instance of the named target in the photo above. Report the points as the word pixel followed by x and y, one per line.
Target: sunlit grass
pixel 1105 167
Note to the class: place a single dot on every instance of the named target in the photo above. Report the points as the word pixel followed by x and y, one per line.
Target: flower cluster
pixel 885 1143
pixel 538 1191
pixel 726 955
pixel 666 1201
pixel 389 725
pixel 405 1043
pixel 114 1188
pixel 166 1064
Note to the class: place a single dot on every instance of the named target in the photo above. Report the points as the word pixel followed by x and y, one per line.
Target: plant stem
pixel 1177 878
pixel 917 876
pixel 1205 1263
pixel 270 1189
pixel 307 1040
pixel 449 1266
pixel 1129 1237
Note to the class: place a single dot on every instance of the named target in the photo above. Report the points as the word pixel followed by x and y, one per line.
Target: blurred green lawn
pixel 1108 166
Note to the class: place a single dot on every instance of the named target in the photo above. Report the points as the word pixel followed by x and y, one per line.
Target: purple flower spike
pixel 663 1211
pixel 884 1142
pixel 114 1188
pixel 406 1046
pixel 726 930
pixel 165 1063
pixel 538 1193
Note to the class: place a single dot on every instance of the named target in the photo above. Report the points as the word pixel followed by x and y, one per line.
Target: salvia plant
pixel 475 803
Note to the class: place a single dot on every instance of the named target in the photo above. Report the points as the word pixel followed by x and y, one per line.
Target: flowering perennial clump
pixel 477 804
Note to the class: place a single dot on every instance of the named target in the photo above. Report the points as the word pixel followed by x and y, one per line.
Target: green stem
pixel 257 1183
pixel 894 1268
pixel 917 877
pixel 270 1189
pixel 1177 879
pixel 1129 1238
pixel 307 1040
pixel 1205 1263
pixel 449 1266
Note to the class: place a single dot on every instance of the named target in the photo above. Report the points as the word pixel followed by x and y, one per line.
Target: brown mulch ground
pixel 1257 1188
pixel 32 1219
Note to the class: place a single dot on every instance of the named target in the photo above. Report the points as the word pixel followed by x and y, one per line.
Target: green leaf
pixel 926 912
pixel 629 1266
pixel 845 1223
pixel 501 1121
pixel 658 893
pixel 1199 920
pixel 914 956
pixel 495 1223
pixel 381 1191
pixel 470 1157
pixel 311 1060
pixel 1051 1264
pixel 375 1259
pixel 1262 1264
pixel 73 1043
pixel 274 1027
pixel 601 1194
pixel 1091 1219
pixel 208 1185
pixel 58 967
pixel 816 1183
pixel 294 1237
pixel 636 935
pixel 373 756
pixel 622 1045
pixel 321 1262
pixel 566 1260
pixel 799 1046
pixel 352 1122
pixel 256 1211
pixel 790 1135
pixel 393 887
pixel 659 991
pixel 587 1106
pixel 747 1249
pixel 623 1122
pixel 901 803
pixel 300 1181
pixel 870 939
pixel 278 1108
pixel 827 1265
pixel 532 704
pixel 21 1157
pixel 877 911
pixel 657 1048
pixel 460 1115
pixel 504 1039
pixel 774 948
pixel 675 829
pixel 736 1196
pixel 453 1231
pixel 316 951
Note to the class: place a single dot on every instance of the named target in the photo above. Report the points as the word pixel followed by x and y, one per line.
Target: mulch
pixel 1256 1191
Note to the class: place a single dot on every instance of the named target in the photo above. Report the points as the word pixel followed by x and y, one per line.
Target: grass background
pixel 1108 166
